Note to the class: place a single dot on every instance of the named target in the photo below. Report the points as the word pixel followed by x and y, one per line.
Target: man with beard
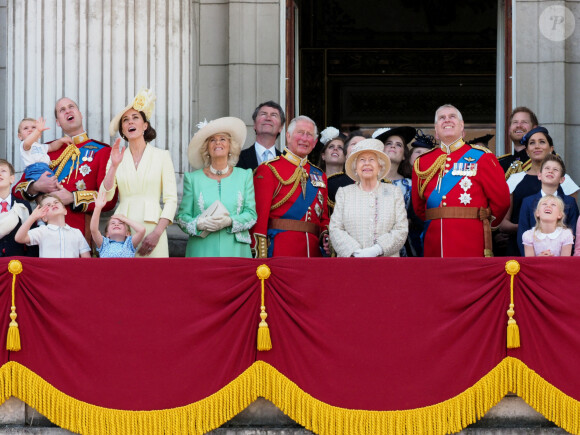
pixel 521 121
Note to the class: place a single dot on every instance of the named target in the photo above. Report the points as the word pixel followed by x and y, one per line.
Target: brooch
pixel 81 185
pixel 85 170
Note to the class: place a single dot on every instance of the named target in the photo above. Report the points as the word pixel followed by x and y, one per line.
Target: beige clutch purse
pixel 216 209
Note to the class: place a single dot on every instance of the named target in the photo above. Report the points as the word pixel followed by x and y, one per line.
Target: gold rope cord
pixel 424 177
pixel 295 178
pixel 69 152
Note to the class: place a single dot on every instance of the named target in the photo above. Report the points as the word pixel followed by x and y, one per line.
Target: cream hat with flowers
pixel 144 102
pixel 367 145
pixel 235 127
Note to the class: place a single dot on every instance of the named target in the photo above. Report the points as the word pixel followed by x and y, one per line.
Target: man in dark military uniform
pixel 521 121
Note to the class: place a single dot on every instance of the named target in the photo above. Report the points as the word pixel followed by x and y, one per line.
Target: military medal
pixel 465 183
pixel 81 185
pixel 85 170
pixel 318 210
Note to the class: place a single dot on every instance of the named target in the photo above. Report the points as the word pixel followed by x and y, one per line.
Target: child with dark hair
pixel 13 212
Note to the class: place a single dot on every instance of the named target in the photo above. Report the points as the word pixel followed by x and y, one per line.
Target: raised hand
pixel 39 212
pixel 117 153
pixel 41 124
pixel 100 199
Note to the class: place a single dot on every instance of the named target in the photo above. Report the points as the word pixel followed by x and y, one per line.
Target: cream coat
pixel 361 219
pixel 141 188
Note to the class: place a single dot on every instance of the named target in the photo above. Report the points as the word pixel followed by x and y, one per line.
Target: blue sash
pixel 85 150
pixel 298 209
pixel 448 182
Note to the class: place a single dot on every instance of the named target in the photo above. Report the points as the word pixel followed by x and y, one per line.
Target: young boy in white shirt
pixel 34 154
pixel 55 239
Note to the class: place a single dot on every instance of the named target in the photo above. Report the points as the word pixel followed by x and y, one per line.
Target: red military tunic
pixel 459 237
pixel 83 178
pixel 273 182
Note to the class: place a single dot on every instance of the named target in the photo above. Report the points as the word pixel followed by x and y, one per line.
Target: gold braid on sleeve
pixel 298 175
pixel 423 177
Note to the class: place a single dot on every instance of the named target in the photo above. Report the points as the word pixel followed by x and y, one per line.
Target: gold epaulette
pixel 481 148
pixel 425 153
pixel 505 156
pixel 314 166
pixel 515 167
pixel 82 199
pixel 271 160
pixel 336 174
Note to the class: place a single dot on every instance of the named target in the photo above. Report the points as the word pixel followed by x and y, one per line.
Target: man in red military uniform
pixel 459 190
pixel 291 199
pixel 79 170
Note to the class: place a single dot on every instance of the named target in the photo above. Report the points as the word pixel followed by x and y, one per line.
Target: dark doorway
pixel 371 63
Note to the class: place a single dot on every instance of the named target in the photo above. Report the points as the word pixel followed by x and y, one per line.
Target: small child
pixel 55 239
pixel 550 237
pixel 35 155
pixel 118 242
pixel 552 174
pixel 13 212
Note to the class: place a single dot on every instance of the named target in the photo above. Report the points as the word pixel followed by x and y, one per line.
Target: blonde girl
pixel 550 237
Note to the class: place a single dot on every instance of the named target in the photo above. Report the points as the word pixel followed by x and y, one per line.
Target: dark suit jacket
pixel 9 247
pixel 248 159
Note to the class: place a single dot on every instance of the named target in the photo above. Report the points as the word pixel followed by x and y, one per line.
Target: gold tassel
pixel 264 341
pixel 13 338
pixel 512 267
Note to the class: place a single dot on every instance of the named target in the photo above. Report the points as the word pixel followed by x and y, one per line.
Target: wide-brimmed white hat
pixel 144 102
pixel 235 127
pixel 367 145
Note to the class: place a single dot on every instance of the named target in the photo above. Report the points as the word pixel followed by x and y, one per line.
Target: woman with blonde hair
pixel 218 207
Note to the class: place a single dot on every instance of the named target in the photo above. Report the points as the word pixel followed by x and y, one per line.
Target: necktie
pixel 266 156
pixel 4 207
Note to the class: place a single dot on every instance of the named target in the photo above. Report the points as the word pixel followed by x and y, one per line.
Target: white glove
pixel 373 251
pixel 207 224
pixel 222 221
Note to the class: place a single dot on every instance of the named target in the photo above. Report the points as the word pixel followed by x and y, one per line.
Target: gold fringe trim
pixel 80 417
pixel 261 379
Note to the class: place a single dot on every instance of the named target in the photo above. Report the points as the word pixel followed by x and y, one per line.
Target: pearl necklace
pixel 219 171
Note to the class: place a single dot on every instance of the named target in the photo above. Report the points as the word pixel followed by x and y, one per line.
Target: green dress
pixel 236 193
